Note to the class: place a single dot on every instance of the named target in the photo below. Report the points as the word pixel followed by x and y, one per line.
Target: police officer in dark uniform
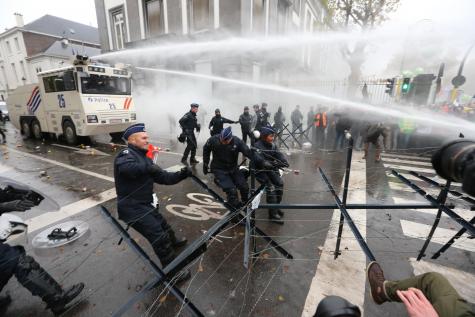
pixel 134 175
pixel 259 118
pixel 279 120
pixel 268 160
pixel 217 122
pixel 265 114
pixel 14 260
pixel 245 119
pixel 189 123
pixel 226 148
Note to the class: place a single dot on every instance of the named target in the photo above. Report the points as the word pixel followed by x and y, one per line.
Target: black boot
pixel 34 278
pixel 194 161
pixel 177 242
pixel 181 276
pixel 275 217
pixel 273 213
pixel 184 161
pixel 4 302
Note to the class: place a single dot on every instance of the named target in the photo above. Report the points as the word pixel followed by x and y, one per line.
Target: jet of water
pixel 452 123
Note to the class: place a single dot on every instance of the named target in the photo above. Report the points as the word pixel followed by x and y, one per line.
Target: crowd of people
pixel 324 127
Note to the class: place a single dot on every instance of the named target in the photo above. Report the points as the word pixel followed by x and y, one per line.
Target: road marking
pixel 85 151
pixel 70 167
pixel 462 281
pixel 441 236
pixel 49 218
pixel 395 160
pixel 409 168
pixel 329 276
pixel 410 157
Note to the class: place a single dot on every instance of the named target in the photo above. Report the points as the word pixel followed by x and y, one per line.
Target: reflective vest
pixel 321 120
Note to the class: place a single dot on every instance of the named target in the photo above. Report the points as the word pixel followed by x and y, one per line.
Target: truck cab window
pixel 107 85
pixel 61 82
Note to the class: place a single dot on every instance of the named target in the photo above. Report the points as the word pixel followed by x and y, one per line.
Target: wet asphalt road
pixel 81 179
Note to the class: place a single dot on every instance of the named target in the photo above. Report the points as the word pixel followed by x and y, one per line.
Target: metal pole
pixel 441 200
pixel 351 224
pixel 470 227
pixel 161 276
pixel 348 206
pixel 451 241
pixel 349 154
pixel 452 192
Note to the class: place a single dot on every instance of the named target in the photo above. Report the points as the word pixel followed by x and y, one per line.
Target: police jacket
pixel 245 120
pixel 260 120
pixel 296 117
pixel 279 119
pixel 134 179
pixel 189 122
pixel 269 152
pixel 217 123
pixel 225 156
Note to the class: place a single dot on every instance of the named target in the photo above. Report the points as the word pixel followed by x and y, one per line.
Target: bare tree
pixel 363 15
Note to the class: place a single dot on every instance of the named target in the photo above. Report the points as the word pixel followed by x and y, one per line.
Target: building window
pixel 38 69
pixel 199 15
pixel 154 17
pixel 14 72
pixel 23 70
pixel 259 16
pixel 17 45
pixel 310 22
pixel 297 4
pixel 9 48
pixel 282 9
pixel 118 27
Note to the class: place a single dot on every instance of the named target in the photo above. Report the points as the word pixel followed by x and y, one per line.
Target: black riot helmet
pixel 336 306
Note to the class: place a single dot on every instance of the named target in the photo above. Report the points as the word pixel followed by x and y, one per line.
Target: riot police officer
pixel 259 118
pixel 268 161
pixel 189 123
pixel 217 122
pixel 226 148
pixel 134 175
pixel 14 260
pixel 245 119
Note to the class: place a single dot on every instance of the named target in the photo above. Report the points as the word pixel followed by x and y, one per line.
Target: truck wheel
pixel 116 137
pixel 36 130
pixel 69 132
pixel 25 128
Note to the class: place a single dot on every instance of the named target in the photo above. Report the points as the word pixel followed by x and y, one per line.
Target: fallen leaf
pixel 200 268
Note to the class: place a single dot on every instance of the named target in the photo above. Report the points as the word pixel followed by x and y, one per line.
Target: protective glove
pixel 205 169
pixel 12 193
pixel 198 127
pixel 186 171
pixel 267 165
pixel 16 205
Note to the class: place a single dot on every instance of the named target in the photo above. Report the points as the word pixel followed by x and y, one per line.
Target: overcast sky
pixel 82 11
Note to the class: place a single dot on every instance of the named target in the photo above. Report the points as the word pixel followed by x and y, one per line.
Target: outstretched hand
pixel 417 305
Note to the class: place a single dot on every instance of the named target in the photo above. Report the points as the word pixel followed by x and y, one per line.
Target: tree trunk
pixel 355 62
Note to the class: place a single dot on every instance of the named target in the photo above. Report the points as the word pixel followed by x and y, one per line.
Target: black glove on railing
pixel 16 205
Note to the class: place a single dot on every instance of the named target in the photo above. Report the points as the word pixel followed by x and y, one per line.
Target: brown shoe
pixel 376 281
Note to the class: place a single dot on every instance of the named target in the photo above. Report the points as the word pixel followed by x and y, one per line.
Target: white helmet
pixel 11 224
